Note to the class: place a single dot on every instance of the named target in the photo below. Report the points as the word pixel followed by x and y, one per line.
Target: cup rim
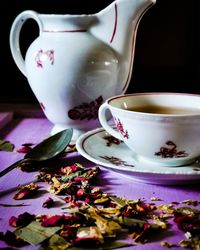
pixel 109 100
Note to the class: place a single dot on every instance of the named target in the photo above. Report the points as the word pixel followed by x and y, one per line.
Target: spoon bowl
pixel 46 150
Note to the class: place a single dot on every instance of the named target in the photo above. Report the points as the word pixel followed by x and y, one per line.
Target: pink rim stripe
pixel 130 65
pixel 63 31
pixel 115 25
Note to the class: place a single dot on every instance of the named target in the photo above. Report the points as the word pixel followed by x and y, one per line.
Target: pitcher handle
pixel 15 35
pixel 103 120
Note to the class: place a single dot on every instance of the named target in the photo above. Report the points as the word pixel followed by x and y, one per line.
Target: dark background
pixel 166 53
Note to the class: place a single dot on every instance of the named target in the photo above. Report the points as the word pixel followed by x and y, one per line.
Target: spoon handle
pixel 11 167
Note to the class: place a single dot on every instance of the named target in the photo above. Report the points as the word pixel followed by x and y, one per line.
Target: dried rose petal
pixel 13 221
pixel 93 215
pixel 26 191
pixel 187 219
pixel 88 236
pixel 70 169
pixel 68 232
pixel 21 220
pixel 22 194
pixel 79 179
pixel 11 240
pixel 24 149
pixel 57 220
pixel 142 233
pixel 188 223
pixel 48 203
pixel 72 201
pixel 51 221
pixel 80 193
pixel 87 200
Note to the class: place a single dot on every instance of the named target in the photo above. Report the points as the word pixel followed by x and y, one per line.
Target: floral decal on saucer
pixel 86 110
pixel 196 169
pixel 116 161
pixel 170 151
pixel 197 165
pixel 120 128
pixel 111 140
pixel 42 56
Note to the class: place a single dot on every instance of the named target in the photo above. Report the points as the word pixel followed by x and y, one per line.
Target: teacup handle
pixel 15 35
pixel 102 118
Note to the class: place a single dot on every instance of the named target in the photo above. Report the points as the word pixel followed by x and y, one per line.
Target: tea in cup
pixel 163 128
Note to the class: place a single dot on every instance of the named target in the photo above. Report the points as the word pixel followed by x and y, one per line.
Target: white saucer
pixel 118 157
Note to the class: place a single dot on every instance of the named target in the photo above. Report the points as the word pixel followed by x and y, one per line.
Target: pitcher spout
pixel 116 25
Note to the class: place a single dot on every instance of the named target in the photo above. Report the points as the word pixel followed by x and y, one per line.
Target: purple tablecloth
pixel 34 130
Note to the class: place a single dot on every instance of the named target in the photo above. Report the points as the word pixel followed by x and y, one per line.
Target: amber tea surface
pixel 155 109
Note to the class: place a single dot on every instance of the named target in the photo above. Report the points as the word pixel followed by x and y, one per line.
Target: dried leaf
pixel 193 243
pixel 56 242
pixel 191 202
pixel 6 146
pixel 119 201
pixel 131 222
pixel 96 219
pixel 13 205
pixel 34 233
pixel 106 227
pixel 167 244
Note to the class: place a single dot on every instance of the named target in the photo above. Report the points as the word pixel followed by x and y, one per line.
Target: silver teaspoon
pixel 46 150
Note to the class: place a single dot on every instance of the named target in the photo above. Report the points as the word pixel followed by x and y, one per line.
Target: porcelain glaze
pixel 163 139
pixel 114 154
pixel 78 61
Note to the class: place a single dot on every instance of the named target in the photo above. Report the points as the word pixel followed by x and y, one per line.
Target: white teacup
pixel 163 128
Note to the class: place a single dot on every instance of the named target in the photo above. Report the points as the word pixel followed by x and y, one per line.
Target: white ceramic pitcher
pixel 78 61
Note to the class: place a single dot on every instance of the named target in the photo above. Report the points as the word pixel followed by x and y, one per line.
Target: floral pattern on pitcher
pixel 42 56
pixel 86 110
pixel 170 151
pixel 120 128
